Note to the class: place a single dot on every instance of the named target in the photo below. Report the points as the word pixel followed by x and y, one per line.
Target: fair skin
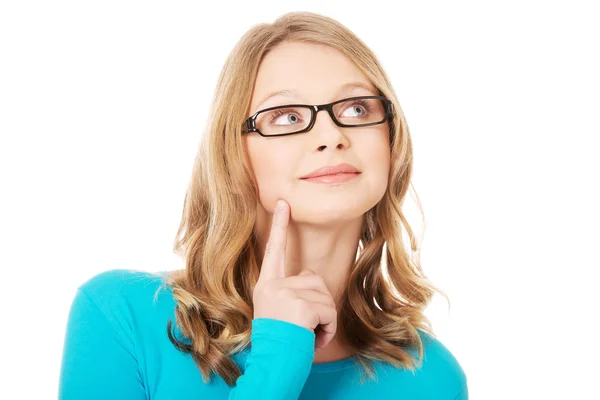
pixel 325 221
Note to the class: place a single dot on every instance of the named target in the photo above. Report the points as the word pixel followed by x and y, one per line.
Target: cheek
pixel 381 170
pixel 272 167
pixel 375 155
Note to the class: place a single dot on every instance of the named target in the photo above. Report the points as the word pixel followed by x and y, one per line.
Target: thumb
pixel 306 272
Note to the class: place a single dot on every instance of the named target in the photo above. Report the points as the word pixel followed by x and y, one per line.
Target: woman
pixel 288 303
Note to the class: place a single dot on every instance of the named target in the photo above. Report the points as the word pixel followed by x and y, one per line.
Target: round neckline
pixel 333 366
pixel 320 368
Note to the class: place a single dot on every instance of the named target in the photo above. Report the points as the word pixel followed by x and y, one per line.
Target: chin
pixel 323 214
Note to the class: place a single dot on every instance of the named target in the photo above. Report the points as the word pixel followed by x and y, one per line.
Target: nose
pixel 327 134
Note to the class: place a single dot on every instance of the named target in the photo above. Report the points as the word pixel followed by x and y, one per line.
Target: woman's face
pixel 316 74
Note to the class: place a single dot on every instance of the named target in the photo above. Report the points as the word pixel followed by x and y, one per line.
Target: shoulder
pixel 437 356
pixel 118 293
pixel 122 282
pixel 439 367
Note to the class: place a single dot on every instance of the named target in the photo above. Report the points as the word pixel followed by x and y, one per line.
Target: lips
pixel 332 179
pixel 343 168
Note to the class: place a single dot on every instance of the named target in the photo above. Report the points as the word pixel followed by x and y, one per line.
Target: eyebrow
pixel 294 94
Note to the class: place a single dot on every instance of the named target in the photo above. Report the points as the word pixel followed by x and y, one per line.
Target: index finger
pixel 273 264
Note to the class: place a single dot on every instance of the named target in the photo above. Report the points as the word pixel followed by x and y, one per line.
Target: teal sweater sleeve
pixel 279 362
pixel 99 361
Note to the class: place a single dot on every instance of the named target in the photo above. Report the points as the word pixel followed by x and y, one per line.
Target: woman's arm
pixel 98 359
pixel 279 362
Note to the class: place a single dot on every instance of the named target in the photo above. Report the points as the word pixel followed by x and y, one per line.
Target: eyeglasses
pixel 352 112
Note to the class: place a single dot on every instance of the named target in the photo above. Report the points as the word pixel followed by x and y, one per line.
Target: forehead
pixel 307 73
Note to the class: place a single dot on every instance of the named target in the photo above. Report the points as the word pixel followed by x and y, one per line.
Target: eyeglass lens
pixel 292 119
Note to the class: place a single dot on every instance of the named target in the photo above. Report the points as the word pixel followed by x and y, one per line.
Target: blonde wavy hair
pixel 385 298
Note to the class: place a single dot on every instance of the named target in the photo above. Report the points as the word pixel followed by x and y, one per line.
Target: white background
pixel 101 109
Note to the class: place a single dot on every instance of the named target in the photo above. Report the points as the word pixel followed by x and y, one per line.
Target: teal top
pixel 116 347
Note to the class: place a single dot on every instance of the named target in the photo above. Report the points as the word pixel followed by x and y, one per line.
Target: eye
pixel 360 107
pixel 293 117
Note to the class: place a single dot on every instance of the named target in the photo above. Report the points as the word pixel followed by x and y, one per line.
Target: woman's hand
pixel 304 299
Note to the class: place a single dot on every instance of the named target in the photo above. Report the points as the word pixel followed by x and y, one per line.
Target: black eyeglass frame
pixel 249 124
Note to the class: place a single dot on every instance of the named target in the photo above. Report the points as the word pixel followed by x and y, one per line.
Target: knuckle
pixel 303 307
pixel 287 292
